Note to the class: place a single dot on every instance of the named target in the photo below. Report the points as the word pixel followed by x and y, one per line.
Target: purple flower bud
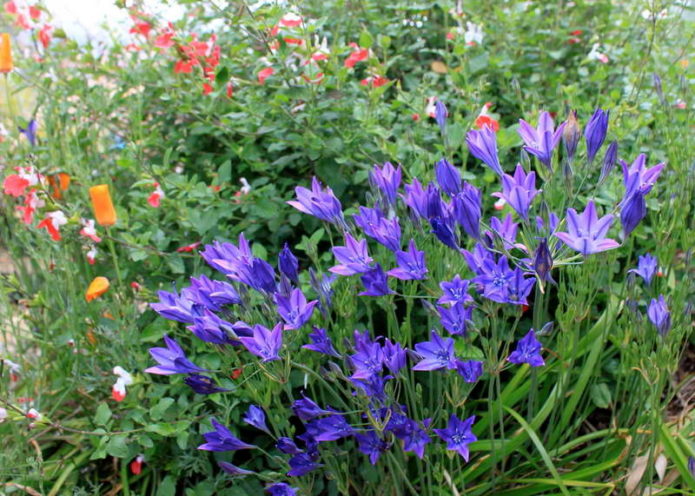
pixel 386 180
pixel 632 212
pixel 202 384
pixel 483 145
pixel 255 416
pixel 448 177
pixel 595 133
pixel 571 134
pixel 440 114
pixel 375 282
pixel 288 264
pixel 659 315
pixel 609 161
pixel 543 261
pixel 467 207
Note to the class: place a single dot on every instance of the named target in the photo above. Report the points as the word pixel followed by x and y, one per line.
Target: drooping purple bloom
pixel 595 133
pixel 519 190
pixel 30 131
pixel 387 180
pixel 528 350
pixel 319 202
pixel 411 264
pixel 483 146
pixel 371 445
pixel 455 319
pixel 264 343
pixel 440 114
pixel 587 233
pixel 647 265
pixel 306 409
pixel 172 360
pixel 255 416
pixel 321 343
pixel 322 285
pixel 222 439
pixel 375 282
pixel 458 435
pixel 609 160
pixel 288 264
pixel 179 308
pixel 294 309
pixel 416 438
pixel 470 370
pixel 455 292
pixel 211 294
pixel 445 231
pixel 329 428
pixel 467 209
pixel 436 354
pixel 352 258
pixel 543 261
pixel 227 252
pixel 632 212
pixel 541 141
pixel 287 446
pixel 416 198
pixel 302 464
pixel 376 226
pixel 202 384
pixel 234 470
pixel 505 230
pixel 448 177
pixel 394 356
pixel 212 329
pixel 659 315
pixel 281 489
pixel 639 177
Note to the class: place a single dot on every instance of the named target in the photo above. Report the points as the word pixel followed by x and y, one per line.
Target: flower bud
pixel 6 64
pixel 104 212
pixel 609 161
pixel 571 134
pixel 96 288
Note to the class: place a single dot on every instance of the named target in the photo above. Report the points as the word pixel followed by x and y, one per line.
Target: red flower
pixel 183 67
pixel 264 74
pixel 47 224
pixel 141 27
pixel 294 41
pixel 34 12
pixel 135 286
pixel 230 89
pixel 164 40
pixel 156 196
pixel 118 393
pixel 415 117
pixel 486 120
pixel 15 185
pixel 207 88
pixel 358 55
pixel 236 373
pixel 10 7
pixel 576 32
pixel 45 35
pixel 136 465
pixel 22 22
pixel 189 248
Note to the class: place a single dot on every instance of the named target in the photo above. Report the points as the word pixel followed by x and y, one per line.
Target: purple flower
pixel 375 282
pixel 416 439
pixel 294 310
pixel 519 288
pixel 306 409
pixel 411 264
pixel 659 315
pixel 227 252
pixel 541 141
pixel 288 264
pixel 302 464
pixel 495 278
pixel 330 428
pixel 455 318
pixel 448 177
pixel 387 180
pixel 394 356
pixel 435 354
pixel 506 231
pixel 458 435
pixel 264 343
pixel 445 231
pixel 281 489
pixel 321 343
pixel 571 135
pixel 595 133
pixel 519 190
pixel 202 384
pixel 172 360
pixel 416 198
pixel 376 226
pixel 287 446
pixel 319 202
pixel 455 291
pixel 440 114
pixel 322 285
pixel 234 470
pixel 210 293
pixel 212 329
pixel 353 257
pixel 552 223
pixel 587 233
pixel 470 370
pixel 483 146
pixel 647 266
pixel 528 350
pixel 371 445
pixel 255 416
pixel 373 387
pixel 368 360
pixel 632 212
pixel 179 308
pixel 221 439
pixel 467 210
pixel 543 261
pixel 609 160
pixel 254 272
pixel 30 131
pixel 479 259
pixel 638 177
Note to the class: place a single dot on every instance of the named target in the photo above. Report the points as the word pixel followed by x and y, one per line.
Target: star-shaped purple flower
pixel 586 232
pixel 264 343
pixel 528 350
pixel 458 435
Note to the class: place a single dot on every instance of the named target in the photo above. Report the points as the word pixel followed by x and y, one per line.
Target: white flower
pixel 246 187
pixel 123 375
pixel 57 218
pixel 594 54
pixel 473 34
pixel 14 367
pixel 3 414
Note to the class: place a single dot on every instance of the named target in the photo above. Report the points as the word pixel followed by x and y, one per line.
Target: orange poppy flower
pixel 96 288
pixel 59 182
pixel 104 212
pixel 6 64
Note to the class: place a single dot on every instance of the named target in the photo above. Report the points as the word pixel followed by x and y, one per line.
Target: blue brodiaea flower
pixel 294 310
pixel 595 133
pixel 458 435
pixel 264 343
pixel 302 464
pixel 255 416
pixel 586 232
pixel 376 226
pixel 519 190
pixel 541 141
pixel 528 350
pixel 647 266
pixel 436 354
pixel 330 428
pixel 455 291
pixel 281 489
pixel 321 343
pixel 483 146
pixel 455 318
pixel 288 264
pixel 387 180
pixel 467 210
pixel 375 282
pixel 172 360
pixel 202 384
pixel 371 444
pixel 470 370
pixel 306 409
pixel 448 177
pixel 353 257
pixel 659 315
pixel 221 439
pixel 319 202
pixel 411 264
pixel 179 308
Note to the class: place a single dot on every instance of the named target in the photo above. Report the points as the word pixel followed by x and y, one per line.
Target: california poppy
pixel 6 64
pixel 104 212
pixel 59 182
pixel 96 288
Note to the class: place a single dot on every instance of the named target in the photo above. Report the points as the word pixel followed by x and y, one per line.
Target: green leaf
pixel 103 414
pixel 600 395
pixel 176 264
pixel 157 411
pixel 366 40
pixel 117 447
pixel 167 487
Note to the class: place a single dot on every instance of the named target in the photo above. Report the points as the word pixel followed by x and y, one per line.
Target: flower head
pixel 288 264
pixel 519 190
pixel 386 179
pixel 353 257
pixel 436 354
pixel 411 264
pixel 455 292
pixel 321 343
pixel 172 360
pixel 467 210
pixel 294 309
pixel 528 350
pixel 483 146
pixel 376 226
pixel 470 370
pixel 319 202
pixel 595 133
pixel 255 416
pixel 586 232
pixel 659 315
pixel 455 318
pixel 97 287
pixel 448 177
pixel 264 343
pixel 647 266
pixel 458 435
pixel 541 141
pixel 222 439
pixel 375 282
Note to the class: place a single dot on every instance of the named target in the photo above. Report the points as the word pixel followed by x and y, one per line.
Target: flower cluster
pixel 414 243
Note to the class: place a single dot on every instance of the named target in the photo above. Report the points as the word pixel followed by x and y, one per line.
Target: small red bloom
pixel 22 22
pixel 10 7
pixel 183 67
pixel 230 90
pixel 576 32
pixel 359 55
pixel 34 12
pixel 45 35
pixel 236 373
pixel 136 465
pixel 141 27
pixel 415 117
pixel 486 120
pixel 117 393
pixel 189 248
pixel 164 40
pixel 135 286
pixel 15 185
pixel 265 74
pixel 207 88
